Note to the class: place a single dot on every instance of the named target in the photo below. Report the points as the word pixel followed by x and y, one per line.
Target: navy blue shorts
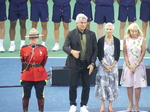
pixel 145 11
pixel 125 12
pixel 83 8
pixel 104 14
pixel 3 11
pixel 18 11
pixel 39 11
pixel 61 13
pixel 27 87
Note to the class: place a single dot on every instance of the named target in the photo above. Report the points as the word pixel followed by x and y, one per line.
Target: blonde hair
pixel 133 26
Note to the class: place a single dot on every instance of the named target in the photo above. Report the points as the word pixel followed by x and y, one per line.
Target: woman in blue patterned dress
pixel 106 87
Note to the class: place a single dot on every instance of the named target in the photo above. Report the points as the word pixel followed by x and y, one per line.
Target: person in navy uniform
pixel 145 15
pixel 39 10
pixel 3 18
pixel 17 10
pixel 85 7
pixel 127 9
pixel 34 74
pixel 81 47
pixel 104 13
pixel 61 12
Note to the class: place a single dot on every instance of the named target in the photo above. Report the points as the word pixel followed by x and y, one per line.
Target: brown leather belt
pixel 34 65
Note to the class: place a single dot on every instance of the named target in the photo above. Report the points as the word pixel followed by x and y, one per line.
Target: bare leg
pixel 144 27
pixel 2 29
pixel 137 98
pixel 2 33
pixel 44 31
pixel 12 31
pixel 110 106
pixel 102 105
pixel 56 32
pixel 22 29
pixel 100 30
pixel 34 24
pixel 88 26
pixel 130 98
pixel 130 23
pixel 66 29
pixel 122 26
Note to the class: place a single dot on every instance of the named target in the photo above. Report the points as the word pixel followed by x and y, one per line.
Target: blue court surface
pixel 56 97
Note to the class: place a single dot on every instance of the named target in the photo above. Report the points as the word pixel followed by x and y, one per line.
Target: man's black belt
pixel 34 65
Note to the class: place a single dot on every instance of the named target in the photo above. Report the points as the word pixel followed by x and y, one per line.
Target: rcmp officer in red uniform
pixel 33 58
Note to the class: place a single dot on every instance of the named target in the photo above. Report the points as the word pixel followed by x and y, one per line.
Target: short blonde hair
pixel 81 16
pixel 109 24
pixel 133 26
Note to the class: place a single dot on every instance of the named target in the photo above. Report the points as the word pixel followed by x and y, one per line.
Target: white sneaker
pixel 43 44
pixel 22 44
pixel 72 108
pixel 83 109
pixel 2 48
pixel 12 48
pixel 56 47
pixel 121 45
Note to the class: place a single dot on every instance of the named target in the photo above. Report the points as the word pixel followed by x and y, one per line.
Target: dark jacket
pixel 73 42
pixel 101 48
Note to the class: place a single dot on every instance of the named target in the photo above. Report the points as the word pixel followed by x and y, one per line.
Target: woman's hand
pixel 132 68
pixel 108 68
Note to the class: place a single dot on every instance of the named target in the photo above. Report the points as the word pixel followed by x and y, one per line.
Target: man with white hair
pixel 81 47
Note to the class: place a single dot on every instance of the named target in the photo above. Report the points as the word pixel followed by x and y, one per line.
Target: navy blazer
pixel 72 42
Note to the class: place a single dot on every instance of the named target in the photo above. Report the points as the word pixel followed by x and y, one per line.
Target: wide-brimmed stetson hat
pixel 34 33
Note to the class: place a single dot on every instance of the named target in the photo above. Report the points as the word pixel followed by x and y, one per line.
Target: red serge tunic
pixel 34 55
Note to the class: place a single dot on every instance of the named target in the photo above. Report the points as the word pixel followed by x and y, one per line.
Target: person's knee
pixel 44 25
pixel 22 24
pixel 1 25
pixel 26 96
pixel 122 25
pixel 66 26
pixel 39 96
pixel 34 24
pixel 100 26
pixel 12 24
pixel 56 26
pixel 73 86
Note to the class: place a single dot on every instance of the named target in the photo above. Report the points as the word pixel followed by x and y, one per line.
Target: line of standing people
pixel 104 12
pixel 81 59
pixel 83 49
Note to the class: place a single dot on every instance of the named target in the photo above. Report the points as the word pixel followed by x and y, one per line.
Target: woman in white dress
pixel 134 73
